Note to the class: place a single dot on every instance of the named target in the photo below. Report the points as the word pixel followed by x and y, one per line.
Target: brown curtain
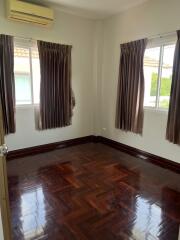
pixel 56 96
pixel 129 113
pixel 173 123
pixel 7 84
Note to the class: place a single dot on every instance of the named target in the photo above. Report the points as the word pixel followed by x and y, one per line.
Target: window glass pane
pixel 36 75
pixel 151 66
pixel 23 89
pixel 166 77
pixel 22 76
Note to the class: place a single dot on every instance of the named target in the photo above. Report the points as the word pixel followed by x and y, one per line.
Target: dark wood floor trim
pixel 48 147
pixel 163 162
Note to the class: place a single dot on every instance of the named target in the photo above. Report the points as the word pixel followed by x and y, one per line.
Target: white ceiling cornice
pixel 92 9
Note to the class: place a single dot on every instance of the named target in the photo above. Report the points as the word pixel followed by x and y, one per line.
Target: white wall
pixel 95 61
pixel 97 75
pixel 151 18
pixel 68 29
pixel 1 229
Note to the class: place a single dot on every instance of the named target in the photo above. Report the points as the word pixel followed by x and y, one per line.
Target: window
pixel 27 74
pixel 158 64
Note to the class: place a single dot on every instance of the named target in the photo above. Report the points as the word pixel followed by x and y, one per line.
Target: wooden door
pixel 4 199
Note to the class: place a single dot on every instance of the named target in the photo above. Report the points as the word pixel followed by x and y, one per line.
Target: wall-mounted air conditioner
pixel 30 13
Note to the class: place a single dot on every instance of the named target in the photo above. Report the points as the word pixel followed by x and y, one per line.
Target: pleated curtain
pixel 56 96
pixel 7 83
pixel 173 123
pixel 130 98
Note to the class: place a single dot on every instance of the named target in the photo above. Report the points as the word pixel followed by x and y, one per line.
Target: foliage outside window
pixel 158 64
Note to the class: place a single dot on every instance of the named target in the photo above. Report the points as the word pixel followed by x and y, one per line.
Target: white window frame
pixel 160 42
pixel 28 44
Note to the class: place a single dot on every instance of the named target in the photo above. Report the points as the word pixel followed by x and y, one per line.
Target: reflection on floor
pixel 92 191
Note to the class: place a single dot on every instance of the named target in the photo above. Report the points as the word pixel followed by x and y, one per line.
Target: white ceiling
pixel 96 9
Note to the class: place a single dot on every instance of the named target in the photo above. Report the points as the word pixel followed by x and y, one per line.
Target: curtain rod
pixel 33 39
pixel 151 37
pixel 25 38
pixel 162 35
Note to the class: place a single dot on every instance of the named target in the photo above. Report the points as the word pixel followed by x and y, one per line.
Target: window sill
pixel 156 110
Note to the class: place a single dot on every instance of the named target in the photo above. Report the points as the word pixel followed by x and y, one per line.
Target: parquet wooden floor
pixel 92 191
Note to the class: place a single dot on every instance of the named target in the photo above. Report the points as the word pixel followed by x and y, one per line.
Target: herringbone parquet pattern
pixel 92 191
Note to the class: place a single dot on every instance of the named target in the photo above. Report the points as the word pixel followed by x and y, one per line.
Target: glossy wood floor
pixel 92 191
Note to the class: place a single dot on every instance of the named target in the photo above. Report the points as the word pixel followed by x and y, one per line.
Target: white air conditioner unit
pixel 30 13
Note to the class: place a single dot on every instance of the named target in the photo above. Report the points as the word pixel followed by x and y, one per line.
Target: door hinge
pixel 3 150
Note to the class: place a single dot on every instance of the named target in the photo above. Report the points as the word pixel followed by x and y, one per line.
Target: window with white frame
pixel 27 73
pixel 158 64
